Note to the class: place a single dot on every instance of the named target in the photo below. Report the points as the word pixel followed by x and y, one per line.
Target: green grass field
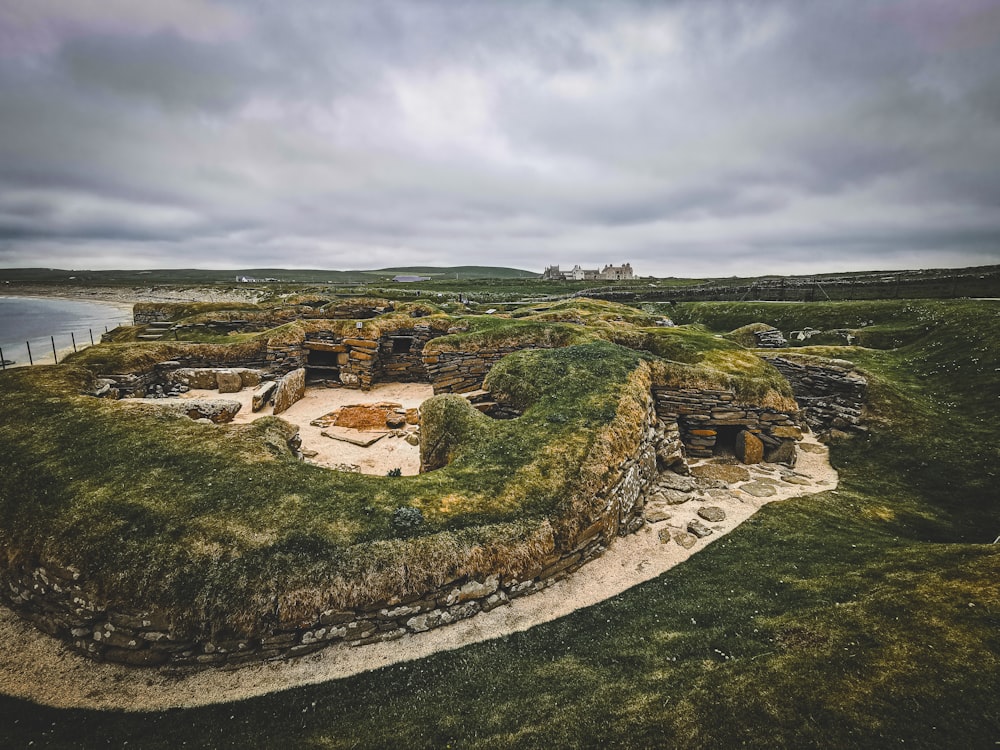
pixel 865 617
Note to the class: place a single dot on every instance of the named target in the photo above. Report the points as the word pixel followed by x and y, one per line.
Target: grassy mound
pixel 214 524
pixel 865 616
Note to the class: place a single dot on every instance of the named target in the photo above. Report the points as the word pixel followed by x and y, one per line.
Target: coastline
pixel 40 668
pixel 127 296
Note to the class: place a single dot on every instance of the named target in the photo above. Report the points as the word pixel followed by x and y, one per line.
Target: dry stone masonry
pixel 56 599
pixel 711 420
pixel 831 392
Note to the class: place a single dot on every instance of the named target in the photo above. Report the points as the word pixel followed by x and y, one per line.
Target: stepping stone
pixel 699 529
pixel 759 489
pixel 712 514
pixel 354 437
pixel 687 541
pixel 721 472
pixel 656 515
pixel 671 481
pixel 796 480
pixel 718 494
pixel 671 497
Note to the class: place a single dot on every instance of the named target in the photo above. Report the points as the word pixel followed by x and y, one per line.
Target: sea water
pixel 34 320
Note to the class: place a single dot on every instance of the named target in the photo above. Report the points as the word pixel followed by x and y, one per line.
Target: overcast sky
pixel 690 138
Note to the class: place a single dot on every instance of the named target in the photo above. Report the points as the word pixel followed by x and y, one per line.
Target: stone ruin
pixel 679 423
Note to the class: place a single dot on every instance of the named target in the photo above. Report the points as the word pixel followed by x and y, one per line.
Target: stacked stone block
pixel 699 414
pixel 56 598
pixel 831 393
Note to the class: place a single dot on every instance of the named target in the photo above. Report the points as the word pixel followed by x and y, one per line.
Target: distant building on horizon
pixel 407 278
pixel 608 273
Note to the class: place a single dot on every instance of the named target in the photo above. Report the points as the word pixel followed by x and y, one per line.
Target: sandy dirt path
pixel 40 668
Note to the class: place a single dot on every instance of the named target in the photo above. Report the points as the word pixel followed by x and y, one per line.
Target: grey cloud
pixel 687 137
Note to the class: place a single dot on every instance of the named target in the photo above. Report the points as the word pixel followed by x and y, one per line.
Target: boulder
pixel 263 395
pixel 782 454
pixel 203 378
pixel 749 448
pixel 249 378
pixel 228 381
pixel 290 389
pixel 218 410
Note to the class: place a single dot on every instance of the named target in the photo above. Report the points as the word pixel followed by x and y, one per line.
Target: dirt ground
pixel 40 668
pixel 388 453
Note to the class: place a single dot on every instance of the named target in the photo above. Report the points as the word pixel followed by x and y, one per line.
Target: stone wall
pixel 701 415
pixel 56 599
pixel 461 372
pixel 831 392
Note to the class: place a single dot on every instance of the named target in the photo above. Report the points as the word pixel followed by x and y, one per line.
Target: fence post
pixel 3 362
pixel 55 358
pixel 30 360
pixel 73 337
pixel 91 330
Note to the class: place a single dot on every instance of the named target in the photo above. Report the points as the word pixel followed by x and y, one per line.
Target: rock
pixel 228 381
pixel 413 438
pixel 759 489
pixel 811 448
pixel 218 410
pixel 203 378
pixel 749 448
pixel 783 454
pixel 787 432
pixel 665 535
pixel 699 529
pixel 307 453
pixel 671 481
pixel 670 497
pixel 263 395
pixel 354 437
pixel 395 421
pixel 249 378
pixel 712 513
pixel 723 472
pixel 413 416
pixel 687 541
pixel 792 479
pixel 290 389
pixel 656 515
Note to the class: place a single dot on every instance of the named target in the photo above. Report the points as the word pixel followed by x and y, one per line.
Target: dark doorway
pixel 725 440
pixel 322 365
pixel 402 344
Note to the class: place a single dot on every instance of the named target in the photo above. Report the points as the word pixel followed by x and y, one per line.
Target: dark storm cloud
pixel 691 137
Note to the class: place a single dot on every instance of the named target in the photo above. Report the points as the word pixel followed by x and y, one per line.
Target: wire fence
pixel 40 355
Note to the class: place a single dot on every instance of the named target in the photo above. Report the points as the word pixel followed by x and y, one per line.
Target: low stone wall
pixel 701 413
pixel 54 598
pixel 461 372
pixel 831 392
